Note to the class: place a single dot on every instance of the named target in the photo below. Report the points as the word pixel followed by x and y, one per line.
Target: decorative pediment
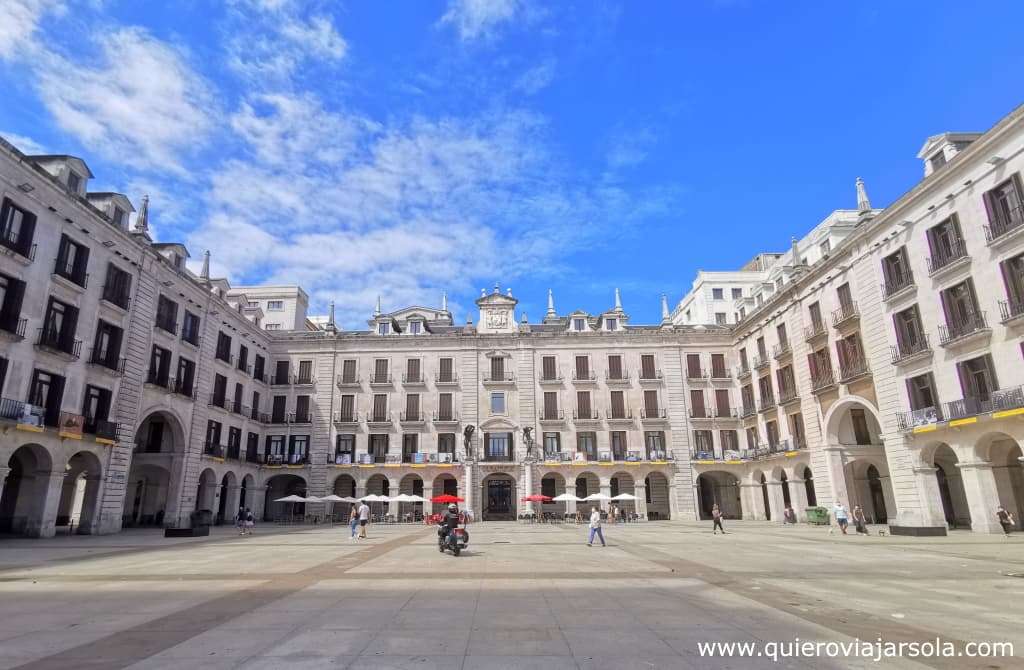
pixel 494 353
pixel 496 424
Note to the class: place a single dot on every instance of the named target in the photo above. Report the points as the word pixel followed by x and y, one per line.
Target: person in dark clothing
pixel 716 516
pixel 1005 520
pixel 450 521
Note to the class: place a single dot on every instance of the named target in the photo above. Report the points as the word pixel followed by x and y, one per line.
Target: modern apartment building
pixel 877 362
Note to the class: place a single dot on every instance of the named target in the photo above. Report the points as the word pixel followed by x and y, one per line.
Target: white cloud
pixel 317 35
pixel 475 19
pixel 141 104
pixel 536 78
pixel 272 39
pixel 629 148
pixel 19 20
pixel 25 145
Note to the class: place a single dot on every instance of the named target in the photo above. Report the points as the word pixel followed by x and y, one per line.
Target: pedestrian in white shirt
pixel 364 518
pixel 595 527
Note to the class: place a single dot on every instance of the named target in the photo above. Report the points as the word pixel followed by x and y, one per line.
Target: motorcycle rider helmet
pixel 452 507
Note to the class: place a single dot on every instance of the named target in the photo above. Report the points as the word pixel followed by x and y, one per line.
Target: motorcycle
pixel 454 542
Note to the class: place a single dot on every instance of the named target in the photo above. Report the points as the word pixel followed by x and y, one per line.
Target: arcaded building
pixel 876 361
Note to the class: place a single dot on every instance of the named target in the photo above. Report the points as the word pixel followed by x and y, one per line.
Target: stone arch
pixel 853 420
pixel 552 484
pixel 23 503
pixel 281 486
pixel 869 486
pixel 79 505
pixel 145 500
pixel 207 490
pixel 344 486
pixel 1008 471
pixel 412 485
pixel 227 504
pixel 721 488
pixel 499 497
pixel 955 508
pixel 246 492
pixel 812 496
pixel 444 484
pixel 657 492
pixel 161 431
pixel 586 483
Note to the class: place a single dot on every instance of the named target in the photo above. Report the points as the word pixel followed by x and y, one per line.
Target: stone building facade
pixel 876 363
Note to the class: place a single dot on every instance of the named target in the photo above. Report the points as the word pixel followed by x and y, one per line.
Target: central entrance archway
pixel 499 497
pixel 723 489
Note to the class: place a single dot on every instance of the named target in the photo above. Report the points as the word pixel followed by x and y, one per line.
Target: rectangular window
pixel 498 369
pixel 59 326
pixel 305 372
pixel 703 443
pixel 412 370
pixel 1005 207
pixel 722 403
pixel 617 440
pixel 383 328
pixel 380 408
pixel 860 426
pixel 415 327
pixel 17 229
pixel 647 368
pixel 693 370
pixel 302 414
pixel 618 404
pixel 446 447
pixel 781 335
pixel 896 272
pixel 275 449
pixel 96 407
pixel 551 405
pixel 909 332
pixel 814 310
pixel 579 325
pixel 378 448
pixel 278 409
pixel 921 392
pixel 12 294
pixel 72 261
pixel 213 430
pixel 611 324
pixel 223 351
pixel 796 430
pixel 1013 280
pixel 651 404
pixel 583 368
pixel 497 403
pixel 729 441
pixel 243 357
pixel 737 293
pixel 412 407
pixel 258 367
pixel 752 438
pixel 347 409
pixel 552 444
pixel 762 348
pixel 772 430
pixel 220 390
pixel 239 390
pixel 348 371
pixel 499 446
pixel 960 305
pixel 410 447
pixel 445 370
pixel 281 373
pixel 298 449
pixel 586 444
pixel 275 305
pixel 764 386
pixel 946 244
pixel 718 369
pixel 380 371
pixel 697 409
pixel 977 379
pixel 47 392
pixel 717 294
pixel 615 367
pixel 159 366
pixel 255 406
pixel 721 318
pixel 583 408
pixel 444 407
pixel 118 287
pixel 549 368
pixel 167 315
pixel 845 298
pixel 345 449
pixel 654 441
pixel 106 350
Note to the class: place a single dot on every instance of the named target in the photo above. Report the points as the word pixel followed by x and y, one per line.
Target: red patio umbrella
pixel 536 497
pixel 446 498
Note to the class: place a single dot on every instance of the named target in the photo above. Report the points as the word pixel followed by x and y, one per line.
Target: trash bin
pixel 817 516
pixel 201 517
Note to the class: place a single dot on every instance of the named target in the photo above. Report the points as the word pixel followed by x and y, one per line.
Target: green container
pixel 817 516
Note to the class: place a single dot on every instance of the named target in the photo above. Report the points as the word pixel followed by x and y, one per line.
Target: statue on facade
pixel 467 441
pixel 528 441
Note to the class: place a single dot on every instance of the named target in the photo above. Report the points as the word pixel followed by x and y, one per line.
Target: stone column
pixel 527 486
pixel 640 491
pixel 836 462
pixel 466 492
pixel 982 496
pixel 931 499
pixel 751 501
pixel 92 499
pixel 43 522
pixel 180 502
pixel 259 498
pixel 606 489
pixel 776 501
pixel 4 471
pixel 673 503
pixel 798 496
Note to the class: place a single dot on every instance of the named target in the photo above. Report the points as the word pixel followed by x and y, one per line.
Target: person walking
pixel 788 515
pixel 595 527
pixel 860 523
pixel 716 518
pixel 842 517
pixel 364 518
pixel 1005 520
pixel 240 521
pixel 249 523
pixel 353 522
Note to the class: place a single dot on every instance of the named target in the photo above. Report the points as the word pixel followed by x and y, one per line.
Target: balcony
pixel 13 410
pixel 584 377
pixel 259 376
pixel 191 336
pixel 1010 311
pixel 742 371
pixel 408 418
pixel 619 378
pixel 814 331
pixel 220 402
pixel 853 369
pixel 304 380
pixel 650 376
pixel 14 328
pixel 727 413
pixel 166 323
pixel 551 456
pixel 720 374
pixel 586 415
pixel 905 352
pixel 243 410
pixel 343 382
pixel 781 350
pixel 278 418
pixel 766 405
pixel 898 285
pixel 279 460
pixel 213 449
pixel 788 396
pixel 748 410
pixel 659 455
pixel 225 357
pixel 281 380
pixel 499 379
pixel 761 362
pixel 919 418
pixel 551 416
pixel 413 380
pixel 68 271
pixel 346 418
pixel 822 382
pixel 497 456
pixel 62 344
pixel 997 401
pixel 186 388
pixel 961 330
pixel 116 296
pixel 700 414
pixel 244 369
pixel 234 452
pixel 101 429
pixel 108 363
pixel 13 242
pixel 450 379
pixel 553 379
pixel 156 378
pixel 653 414
pixel 446 417
pixel 379 419
pixel 948 259
pixel 252 456
pixel 300 417
pixel 380 381
pixel 845 314
pixel 620 415
pixel 696 375
pixel 1005 225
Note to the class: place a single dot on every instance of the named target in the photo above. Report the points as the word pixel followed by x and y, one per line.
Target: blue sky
pixel 407 148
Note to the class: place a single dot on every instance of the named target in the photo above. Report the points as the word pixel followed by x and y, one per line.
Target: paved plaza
pixel 524 596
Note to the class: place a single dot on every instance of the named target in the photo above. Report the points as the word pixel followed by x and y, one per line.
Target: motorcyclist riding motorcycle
pixel 446 528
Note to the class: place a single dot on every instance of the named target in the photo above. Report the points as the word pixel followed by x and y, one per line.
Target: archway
pixel 444 484
pixel 79 498
pixel 379 485
pixel 160 432
pixel 657 496
pixel 812 497
pixel 1004 453
pixel 586 484
pixel 245 492
pixel 764 495
pixel 721 488
pixel 206 491
pixel 227 507
pixel 786 500
pixel 623 482
pixel 853 421
pixel 552 485
pixel 877 496
pixel 411 485
pixel 282 486
pixel 345 486
pixel 499 497
pixel 951 488
pixel 145 500
pixel 23 504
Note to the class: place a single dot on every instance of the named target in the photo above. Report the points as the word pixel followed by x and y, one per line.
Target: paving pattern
pixel 524 596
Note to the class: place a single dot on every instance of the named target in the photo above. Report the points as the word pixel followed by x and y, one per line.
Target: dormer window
pixel 383 328
pixel 612 324
pixel 578 325
pixel 938 160
pixel 74 182
pixel 415 327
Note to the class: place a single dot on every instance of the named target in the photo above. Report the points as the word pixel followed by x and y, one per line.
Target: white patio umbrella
pixel 598 496
pixel 291 499
pixel 566 497
pixel 624 496
pixel 331 499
